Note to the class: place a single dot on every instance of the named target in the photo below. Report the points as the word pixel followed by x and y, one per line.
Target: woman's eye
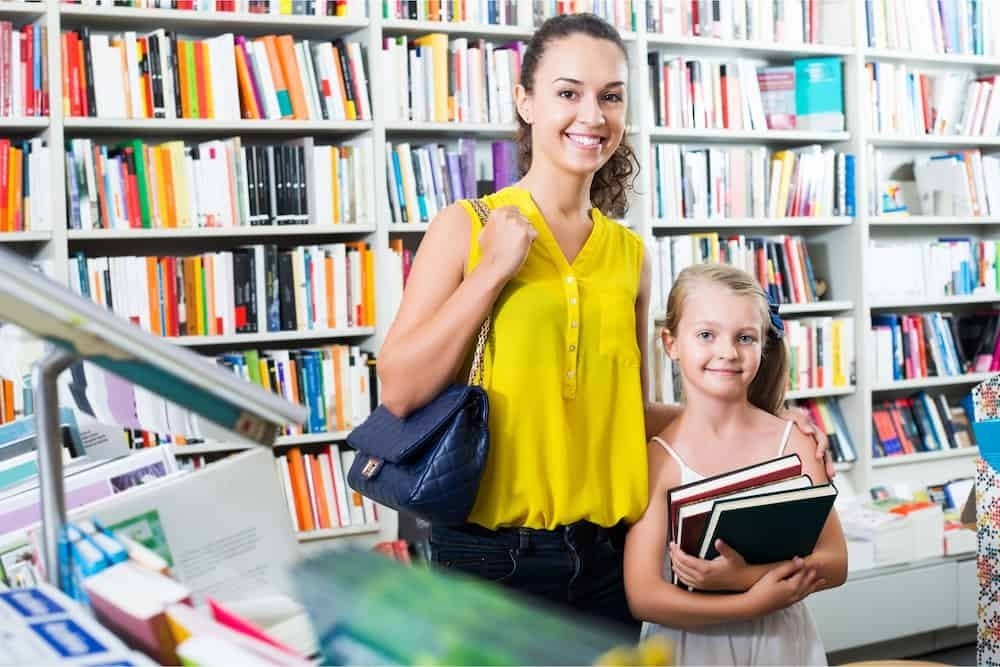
pixel 613 97
pixel 567 94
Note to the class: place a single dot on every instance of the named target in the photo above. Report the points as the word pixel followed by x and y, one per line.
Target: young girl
pixel 726 338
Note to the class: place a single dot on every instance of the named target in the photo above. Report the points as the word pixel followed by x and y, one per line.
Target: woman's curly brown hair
pixel 612 182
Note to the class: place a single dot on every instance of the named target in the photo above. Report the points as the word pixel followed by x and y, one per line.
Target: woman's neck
pixel 556 192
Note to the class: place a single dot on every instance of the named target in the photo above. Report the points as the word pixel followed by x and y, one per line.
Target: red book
pixel 729 482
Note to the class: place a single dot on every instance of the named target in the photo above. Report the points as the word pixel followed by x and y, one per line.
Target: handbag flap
pixel 385 436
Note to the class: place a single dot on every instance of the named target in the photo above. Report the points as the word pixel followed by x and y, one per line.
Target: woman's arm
pixel 658 415
pixel 440 312
pixel 829 558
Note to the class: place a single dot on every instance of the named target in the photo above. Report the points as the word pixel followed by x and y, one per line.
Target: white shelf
pixel 409 27
pixel 799 394
pixel 274 337
pixel 216 232
pixel 844 466
pixel 21 124
pixel 946 59
pixel 751 223
pixel 930 220
pixel 925 302
pixel 310 438
pixel 25 237
pixel 753 136
pixel 746 48
pixel 332 533
pixel 409 227
pixel 179 19
pixel 459 129
pixel 209 448
pixel 932 382
pixel 933 141
pixel 188 126
pixel 815 307
pixel 22 10
pixel 924 457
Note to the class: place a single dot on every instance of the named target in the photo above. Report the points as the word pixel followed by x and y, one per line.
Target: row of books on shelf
pixel 337 382
pixel 475 12
pixel 745 182
pixel 948 266
pixel 696 93
pixel 826 414
pixel 908 101
pixel 218 183
pixel 919 424
pixel 354 9
pixel 967 27
pixel 24 184
pixel 820 353
pixel 919 345
pixel 954 183
pixel 422 180
pixel 24 81
pixel 434 78
pixel 161 75
pixel 765 21
pixel 619 13
pixel 316 490
pixel 781 264
pixel 254 289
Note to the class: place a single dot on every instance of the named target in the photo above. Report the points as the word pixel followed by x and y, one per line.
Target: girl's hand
pixel 803 421
pixel 505 241
pixel 783 586
pixel 726 572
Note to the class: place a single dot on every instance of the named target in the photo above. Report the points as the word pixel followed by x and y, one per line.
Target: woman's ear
pixel 522 101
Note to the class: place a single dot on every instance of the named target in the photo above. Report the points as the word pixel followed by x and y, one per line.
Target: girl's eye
pixel 613 97
pixel 747 339
pixel 704 335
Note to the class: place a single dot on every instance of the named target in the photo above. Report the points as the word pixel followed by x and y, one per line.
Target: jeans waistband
pixel 580 533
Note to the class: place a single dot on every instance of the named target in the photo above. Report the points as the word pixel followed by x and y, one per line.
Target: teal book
pixel 819 94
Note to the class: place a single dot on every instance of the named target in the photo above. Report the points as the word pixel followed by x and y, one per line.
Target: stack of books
pixel 768 512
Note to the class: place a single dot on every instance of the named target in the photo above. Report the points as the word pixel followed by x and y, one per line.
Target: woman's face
pixel 577 109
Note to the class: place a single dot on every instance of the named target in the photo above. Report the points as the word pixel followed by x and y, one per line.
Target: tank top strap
pixel 673 454
pixel 785 437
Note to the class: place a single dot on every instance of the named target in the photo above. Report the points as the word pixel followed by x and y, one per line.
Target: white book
pixel 286 482
pixel 326 479
pixel 343 493
pixel 355 499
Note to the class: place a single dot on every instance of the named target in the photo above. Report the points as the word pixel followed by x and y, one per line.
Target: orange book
pixel 248 102
pixel 14 204
pixel 330 317
pixel 164 174
pixel 319 492
pixel 203 70
pixel 350 110
pixel 64 45
pixel 5 215
pixel 293 381
pixel 293 78
pixel 184 74
pixel 300 490
pixel 153 287
pixel 82 79
pixel 8 401
pixel 270 43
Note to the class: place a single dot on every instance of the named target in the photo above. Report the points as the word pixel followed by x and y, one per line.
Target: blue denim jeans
pixel 577 566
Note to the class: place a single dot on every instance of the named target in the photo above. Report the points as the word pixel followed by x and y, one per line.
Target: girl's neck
pixel 556 192
pixel 721 418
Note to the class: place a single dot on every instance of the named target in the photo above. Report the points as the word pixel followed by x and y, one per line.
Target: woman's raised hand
pixel 505 241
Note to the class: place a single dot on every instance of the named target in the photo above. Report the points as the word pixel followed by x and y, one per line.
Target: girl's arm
pixel 829 558
pixel 440 313
pixel 658 415
pixel 652 598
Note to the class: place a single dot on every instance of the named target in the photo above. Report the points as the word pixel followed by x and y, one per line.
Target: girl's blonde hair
pixel 767 391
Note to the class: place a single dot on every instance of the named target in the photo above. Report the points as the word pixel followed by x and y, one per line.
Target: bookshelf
pixel 844 240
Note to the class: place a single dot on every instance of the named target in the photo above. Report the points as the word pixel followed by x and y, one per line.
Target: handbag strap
pixel 476 372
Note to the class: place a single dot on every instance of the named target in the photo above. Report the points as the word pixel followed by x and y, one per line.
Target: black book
pixel 770 527
pixel 286 286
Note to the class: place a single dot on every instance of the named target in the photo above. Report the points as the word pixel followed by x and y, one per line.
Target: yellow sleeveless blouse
pixel 561 369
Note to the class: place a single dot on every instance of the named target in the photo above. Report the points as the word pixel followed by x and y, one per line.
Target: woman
pixel 565 368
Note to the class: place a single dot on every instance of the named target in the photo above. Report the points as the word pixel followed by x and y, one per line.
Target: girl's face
pixel 577 109
pixel 718 342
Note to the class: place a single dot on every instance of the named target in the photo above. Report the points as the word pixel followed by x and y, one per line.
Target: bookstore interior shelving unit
pixel 839 244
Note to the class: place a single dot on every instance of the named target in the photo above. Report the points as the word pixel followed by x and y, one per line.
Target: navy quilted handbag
pixel 430 463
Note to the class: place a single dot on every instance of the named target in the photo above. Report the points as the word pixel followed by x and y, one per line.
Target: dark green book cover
pixel 770 527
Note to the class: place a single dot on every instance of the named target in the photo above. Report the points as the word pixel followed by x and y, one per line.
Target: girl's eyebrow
pixel 577 82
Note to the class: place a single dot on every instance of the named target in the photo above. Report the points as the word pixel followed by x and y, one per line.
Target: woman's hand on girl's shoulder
pixel 804 422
